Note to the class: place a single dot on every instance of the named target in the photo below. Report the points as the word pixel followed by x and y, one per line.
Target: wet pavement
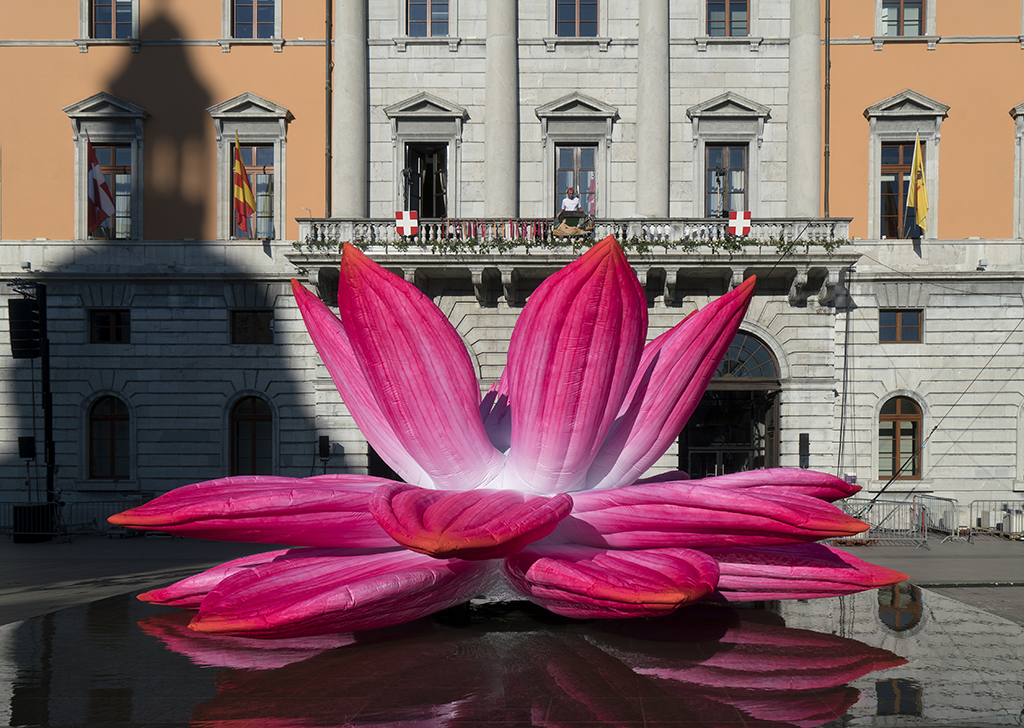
pixel 896 657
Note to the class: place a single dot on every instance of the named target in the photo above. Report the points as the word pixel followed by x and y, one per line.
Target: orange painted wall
pixel 981 82
pixel 175 83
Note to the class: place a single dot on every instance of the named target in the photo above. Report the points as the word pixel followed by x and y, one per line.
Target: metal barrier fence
pixel 892 522
pixel 943 516
pixel 997 518
pixel 31 522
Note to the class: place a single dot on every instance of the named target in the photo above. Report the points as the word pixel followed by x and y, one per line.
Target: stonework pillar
pixel 501 111
pixel 652 111
pixel 350 156
pixel 803 136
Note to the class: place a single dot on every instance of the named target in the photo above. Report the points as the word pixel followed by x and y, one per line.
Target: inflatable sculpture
pixel 537 484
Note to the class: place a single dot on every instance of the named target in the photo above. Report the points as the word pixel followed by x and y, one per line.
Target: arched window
pixel 899 439
pixel 747 357
pixel 109 440
pixel 252 437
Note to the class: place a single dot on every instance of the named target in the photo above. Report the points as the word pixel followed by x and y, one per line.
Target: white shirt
pixel 570 204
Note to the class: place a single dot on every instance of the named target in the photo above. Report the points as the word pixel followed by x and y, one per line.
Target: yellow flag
pixel 917 197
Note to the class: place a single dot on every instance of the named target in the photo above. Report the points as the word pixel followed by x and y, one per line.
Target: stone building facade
pixel 177 354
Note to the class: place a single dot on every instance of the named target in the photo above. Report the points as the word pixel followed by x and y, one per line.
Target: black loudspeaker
pixel 27 447
pixel 325 446
pixel 23 316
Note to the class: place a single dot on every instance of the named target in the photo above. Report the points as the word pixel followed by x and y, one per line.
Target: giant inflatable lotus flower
pixel 537 484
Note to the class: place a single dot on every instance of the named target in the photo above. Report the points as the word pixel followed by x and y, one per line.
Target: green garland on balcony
pixel 730 244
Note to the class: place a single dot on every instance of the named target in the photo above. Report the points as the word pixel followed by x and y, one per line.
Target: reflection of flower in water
pixel 541 476
pixel 497 664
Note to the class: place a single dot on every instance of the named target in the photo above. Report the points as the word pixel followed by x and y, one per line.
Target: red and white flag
pixel 100 203
pixel 407 222
pixel 739 223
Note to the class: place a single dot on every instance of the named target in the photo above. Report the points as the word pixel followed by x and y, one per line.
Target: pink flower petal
pixel 669 383
pixel 790 480
pixel 582 582
pixel 335 349
pixel 570 360
pixel 420 373
pixel 804 571
pixel 190 592
pixel 321 594
pixel 476 524
pixel 694 516
pixel 327 510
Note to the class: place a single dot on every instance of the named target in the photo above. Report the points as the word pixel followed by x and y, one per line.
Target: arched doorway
pixel 735 426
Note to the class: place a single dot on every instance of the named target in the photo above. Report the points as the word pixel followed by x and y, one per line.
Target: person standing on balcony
pixel 571 205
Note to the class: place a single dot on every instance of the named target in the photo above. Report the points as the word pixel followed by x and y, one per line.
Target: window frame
pixel 576 20
pixel 228 449
pixel 602 39
pixel 268 330
pixel 106 120
pixel 703 38
pixel 928 34
pixel 426 119
pixel 576 170
pixel 728 34
pixel 117 324
pixel 110 173
pixel 900 118
pixel 429 22
pixel 256 122
pixel 112 419
pixel 899 326
pixel 228 38
pixel 728 119
pixel 727 197
pixel 902 170
pixel 86 36
pixel 901 19
pixel 577 120
pixel 895 462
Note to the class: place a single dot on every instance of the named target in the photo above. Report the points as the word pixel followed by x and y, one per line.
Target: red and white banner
pixel 100 203
pixel 407 222
pixel 739 223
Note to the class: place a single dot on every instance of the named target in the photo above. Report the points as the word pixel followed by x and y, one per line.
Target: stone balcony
pixel 502 261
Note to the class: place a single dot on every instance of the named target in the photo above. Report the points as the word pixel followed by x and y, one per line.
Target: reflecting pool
pixel 894 657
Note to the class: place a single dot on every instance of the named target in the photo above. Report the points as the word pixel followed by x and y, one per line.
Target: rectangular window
pixel 252 327
pixel 898 221
pixel 110 326
pixel 426 179
pixel 726 179
pixel 115 162
pixel 727 18
pixel 253 18
pixel 259 165
pixel 576 18
pixel 903 17
pixel 900 326
pixel 576 168
pixel 427 18
pixel 111 18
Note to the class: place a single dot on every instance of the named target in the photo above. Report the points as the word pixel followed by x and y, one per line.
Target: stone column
pixel 803 135
pixel 501 111
pixel 350 155
pixel 652 110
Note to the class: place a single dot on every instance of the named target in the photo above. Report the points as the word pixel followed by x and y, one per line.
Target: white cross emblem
pixel 739 223
pixel 406 222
